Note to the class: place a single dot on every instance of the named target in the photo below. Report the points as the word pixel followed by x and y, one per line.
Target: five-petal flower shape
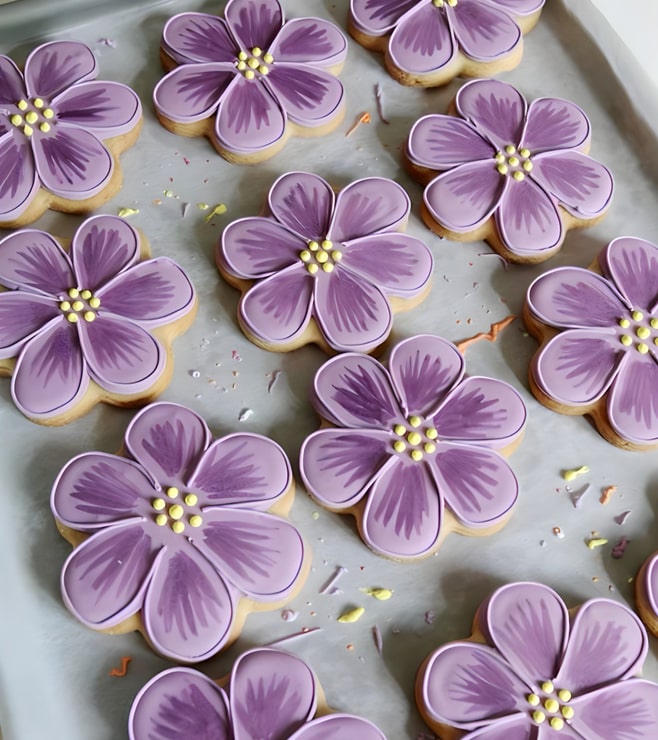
pixel 336 261
pixel 84 325
pixel 543 673
pixel 58 131
pixel 254 77
pixel 271 694
pixel 512 173
pixel 428 42
pixel 602 332
pixel 414 452
pixel 178 532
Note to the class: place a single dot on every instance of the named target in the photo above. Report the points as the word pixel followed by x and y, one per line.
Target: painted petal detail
pixel 529 624
pixel 575 298
pixel 168 440
pixel 21 316
pixel 465 198
pixel 495 108
pixel 50 375
pixel 368 206
pixel 12 86
pixel 404 511
pixel 107 108
pixel 255 248
pixel 102 247
pixel 528 220
pixel 32 260
pixel 485 411
pixel 477 484
pixel 443 142
pixel 577 366
pixel 309 96
pixel 254 22
pixel 517 727
pixel 355 391
pixel 195 89
pixel 188 611
pixel 19 183
pixel 422 43
pixel 242 469
pixel 303 202
pixel 310 41
pixel 52 68
pixel 272 694
pixel 277 310
pixel 379 16
pixel 104 578
pixel 336 726
pixel 180 702
pixel 607 644
pixel 72 163
pixel 96 489
pixel 553 123
pixel 398 263
pixel 424 369
pixel 259 553
pixel 353 314
pixel 198 37
pixel 466 684
pixel 484 32
pixel 582 185
pixel 337 465
pixel 633 400
pixel 248 113
pixel 633 266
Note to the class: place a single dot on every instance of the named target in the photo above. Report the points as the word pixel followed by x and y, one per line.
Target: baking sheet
pixel 54 680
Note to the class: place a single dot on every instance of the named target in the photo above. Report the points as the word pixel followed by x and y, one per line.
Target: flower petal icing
pixel 554 124
pixel 254 22
pixel 310 40
pixel 22 317
pixel 442 142
pixel 12 86
pixel 34 261
pixel 19 183
pixel 302 202
pixel 632 265
pixel 338 725
pixel 198 37
pixel 53 67
pixel 633 399
pixel 379 16
pixel 423 41
pixel 192 93
pixel 308 96
pixel 107 108
pixel 485 32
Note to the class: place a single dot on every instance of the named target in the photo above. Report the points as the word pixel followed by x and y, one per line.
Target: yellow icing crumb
pixel 569 475
pixel 352 616
pixel 596 542
pixel 381 594
pixel 124 212
pixel 218 210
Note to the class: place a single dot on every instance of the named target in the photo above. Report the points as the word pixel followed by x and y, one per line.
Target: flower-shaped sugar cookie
pixel 178 539
pixel 513 173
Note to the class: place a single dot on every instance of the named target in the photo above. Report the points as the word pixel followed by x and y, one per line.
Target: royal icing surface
pixel 648 586
pixel 427 35
pixel 179 531
pixel 410 442
pixel 518 163
pixel 336 259
pixel 54 118
pixel 251 72
pixel 85 316
pixel 608 335
pixel 271 694
pixel 543 672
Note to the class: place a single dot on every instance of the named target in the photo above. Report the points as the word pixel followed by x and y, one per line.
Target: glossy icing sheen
pixel 336 259
pixel 606 345
pixel 427 35
pixel 520 164
pixel 271 694
pixel 85 316
pixel 410 441
pixel 178 531
pixel 54 118
pixel 648 586
pixel 251 72
pixel 544 673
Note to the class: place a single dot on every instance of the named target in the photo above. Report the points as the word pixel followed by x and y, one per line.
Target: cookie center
pixel 253 63
pixel 82 304
pixel 551 705
pixel 513 163
pixel 320 256
pixel 31 116
pixel 414 438
pixel 638 331
pixel 176 510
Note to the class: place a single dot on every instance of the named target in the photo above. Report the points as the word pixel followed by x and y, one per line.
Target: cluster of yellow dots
pixel 641 332
pixel 441 3
pixel 172 513
pixel 320 255
pixel 31 115
pixel 83 303
pixel 255 61
pixel 559 708
pixel 514 163
pixel 411 439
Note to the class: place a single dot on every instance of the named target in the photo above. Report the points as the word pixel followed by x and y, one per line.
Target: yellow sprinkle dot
pixel 643 332
pixel 253 63
pixel 414 438
pixel 538 716
pixel 655 340
pixel 321 256
pixel 518 176
pixel 416 455
pixel 161 520
pixel 38 103
pixel 22 105
pixel 28 130
pixel 65 306
pixel 510 148
pixel 527 166
pixel 242 66
pixel 431 433
pixel 31 116
pixel 89 316
pixel 642 348
pixel 500 158
pixel 196 520
pixel 250 74
pixel 557 723
pixel 44 126
pixel 400 430
pixel 328 267
pixel 313 246
pixel 637 315
pixel 172 492
pixel 429 447
pixel 48 113
pixel 626 340
pixel 415 421
pixel 264 70
pixel 312 268
pixel 256 51
pixel 547 687
pixel 268 58
pixel 524 152
pixel 567 712
pixel 564 695
pixel 552 705
pixel 158 504
pixel 352 616
pixel 191 499
pixel 503 169
pixel 327 244
pixel 72 317
pixel 452 3
pixel 73 292
pixel 399 445
pixel 514 161
pixel 624 323
pixel 86 294
pixel 533 700
pixel 176 511
pixel 654 323
pixel 336 255
pixel 78 305
pixel 178 527
pixel 243 56
pixel 305 255
pixel 94 302
pixel 16 120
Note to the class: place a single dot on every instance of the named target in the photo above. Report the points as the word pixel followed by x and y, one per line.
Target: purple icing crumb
pixel 621 518
pixel 620 548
